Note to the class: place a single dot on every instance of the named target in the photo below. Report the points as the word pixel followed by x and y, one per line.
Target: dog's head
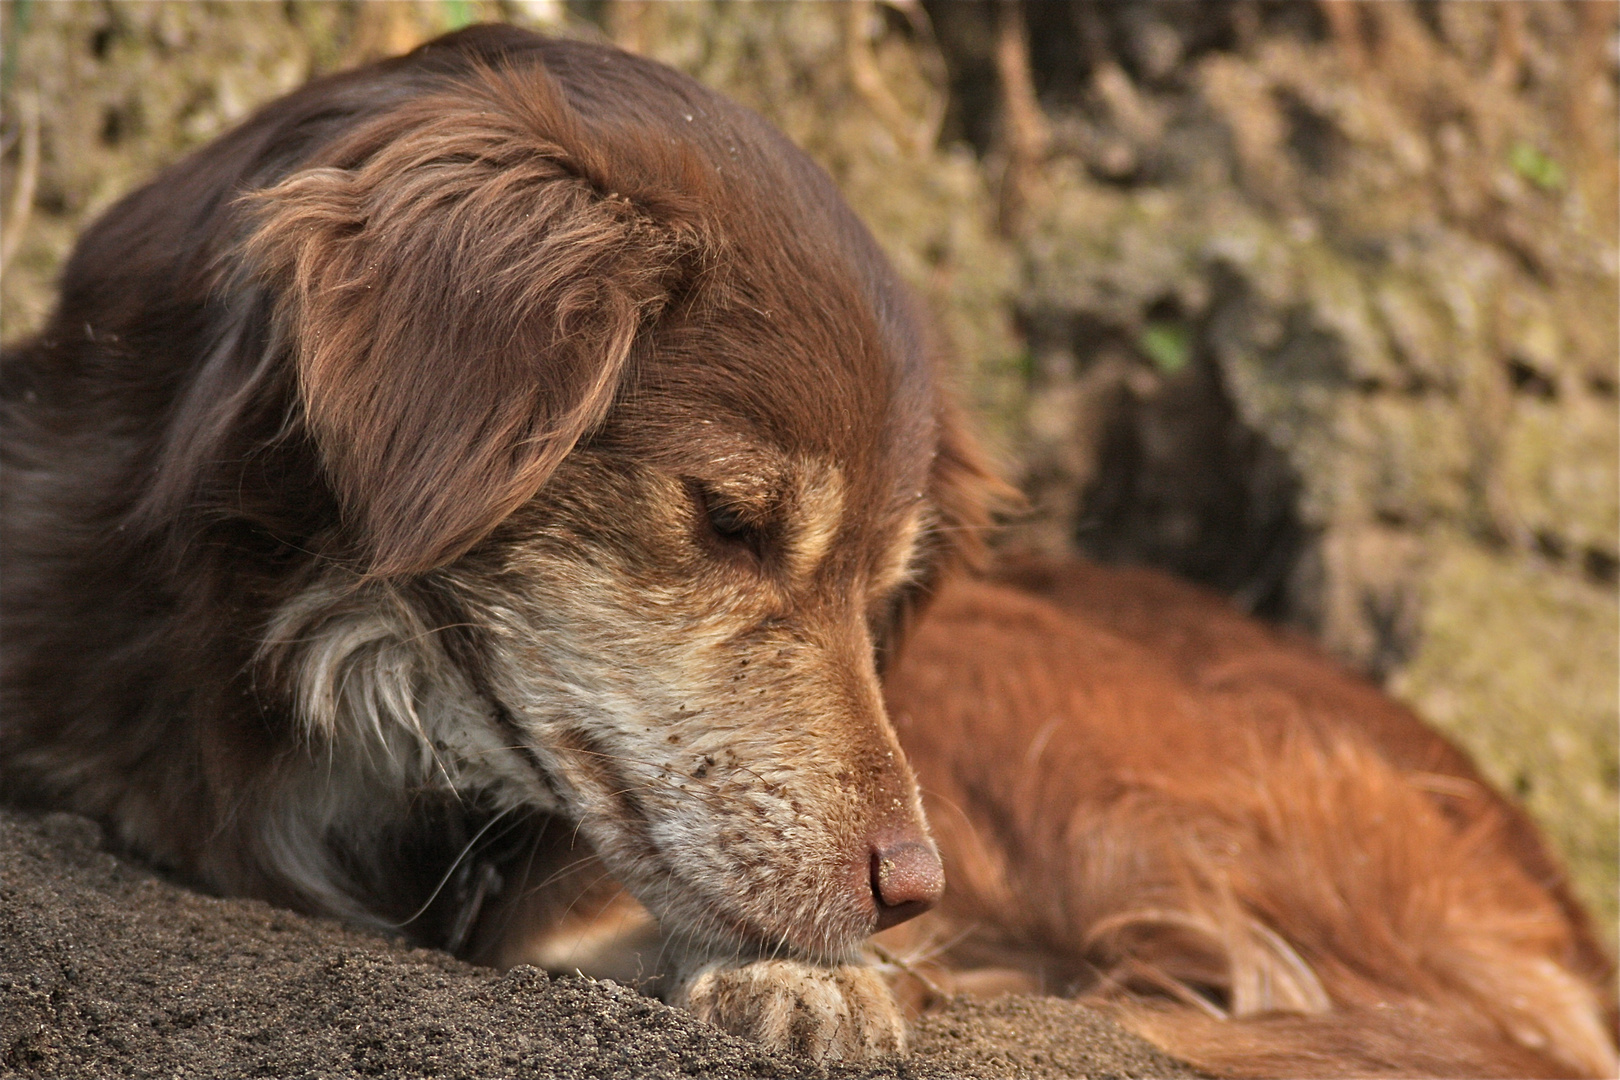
pixel 633 454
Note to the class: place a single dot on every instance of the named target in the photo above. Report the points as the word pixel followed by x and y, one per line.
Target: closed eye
pixel 726 524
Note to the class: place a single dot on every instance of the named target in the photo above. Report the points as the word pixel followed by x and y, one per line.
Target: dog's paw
pixel 844 1013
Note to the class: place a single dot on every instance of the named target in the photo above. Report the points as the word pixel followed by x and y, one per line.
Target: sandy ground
pixel 106 970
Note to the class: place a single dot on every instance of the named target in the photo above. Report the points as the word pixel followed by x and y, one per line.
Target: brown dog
pixel 1258 861
pixel 493 475
pixel 504 444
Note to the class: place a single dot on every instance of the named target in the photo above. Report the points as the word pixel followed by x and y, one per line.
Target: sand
pixel 106 970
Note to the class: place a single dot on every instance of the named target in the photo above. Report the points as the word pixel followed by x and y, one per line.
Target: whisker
pixel 450 872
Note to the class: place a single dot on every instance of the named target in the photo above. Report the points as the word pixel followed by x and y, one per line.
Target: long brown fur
pixel 1254 858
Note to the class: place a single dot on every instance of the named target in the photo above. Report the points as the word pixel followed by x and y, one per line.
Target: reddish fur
pixel 1128 777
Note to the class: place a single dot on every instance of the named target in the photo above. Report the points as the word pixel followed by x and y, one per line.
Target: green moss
pixel 1167 344
pixel 1536 166
pixel 1520 664
pixel 1560 471
pixel 1405 459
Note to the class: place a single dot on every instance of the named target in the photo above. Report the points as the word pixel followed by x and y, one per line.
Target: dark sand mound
pixel 106 970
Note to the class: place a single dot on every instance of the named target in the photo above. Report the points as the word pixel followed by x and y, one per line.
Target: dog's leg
pixel 846 1012
pixel 560 909
pixel 566 914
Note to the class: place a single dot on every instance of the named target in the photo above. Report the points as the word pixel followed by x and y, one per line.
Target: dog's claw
pixel 844 1013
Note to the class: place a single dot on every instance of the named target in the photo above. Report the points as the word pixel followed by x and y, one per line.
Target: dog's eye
pixel 729 524
pixel 725 522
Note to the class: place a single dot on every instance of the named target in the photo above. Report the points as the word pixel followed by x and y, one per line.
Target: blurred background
pixel 1311 302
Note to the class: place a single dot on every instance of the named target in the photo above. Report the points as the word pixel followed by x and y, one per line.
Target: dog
pixel 494 496
pixel 502 457
pixel 1254 859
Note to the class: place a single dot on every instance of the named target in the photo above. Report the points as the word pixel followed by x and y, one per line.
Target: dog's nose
pixel 907 880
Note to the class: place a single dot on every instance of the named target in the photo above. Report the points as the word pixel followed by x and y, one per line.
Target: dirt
pixel 107 970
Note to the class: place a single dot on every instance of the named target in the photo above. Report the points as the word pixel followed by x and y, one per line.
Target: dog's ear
pixel 460 285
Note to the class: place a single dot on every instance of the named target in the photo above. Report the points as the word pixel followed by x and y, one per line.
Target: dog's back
pixel 1264 864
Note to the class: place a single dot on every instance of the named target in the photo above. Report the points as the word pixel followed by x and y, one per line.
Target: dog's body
pixel 497 475
pixel 1261 862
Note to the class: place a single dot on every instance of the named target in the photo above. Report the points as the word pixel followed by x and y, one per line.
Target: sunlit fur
pixel 1254 858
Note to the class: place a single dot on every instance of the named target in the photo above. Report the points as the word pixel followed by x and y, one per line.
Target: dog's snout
pixel 907 880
